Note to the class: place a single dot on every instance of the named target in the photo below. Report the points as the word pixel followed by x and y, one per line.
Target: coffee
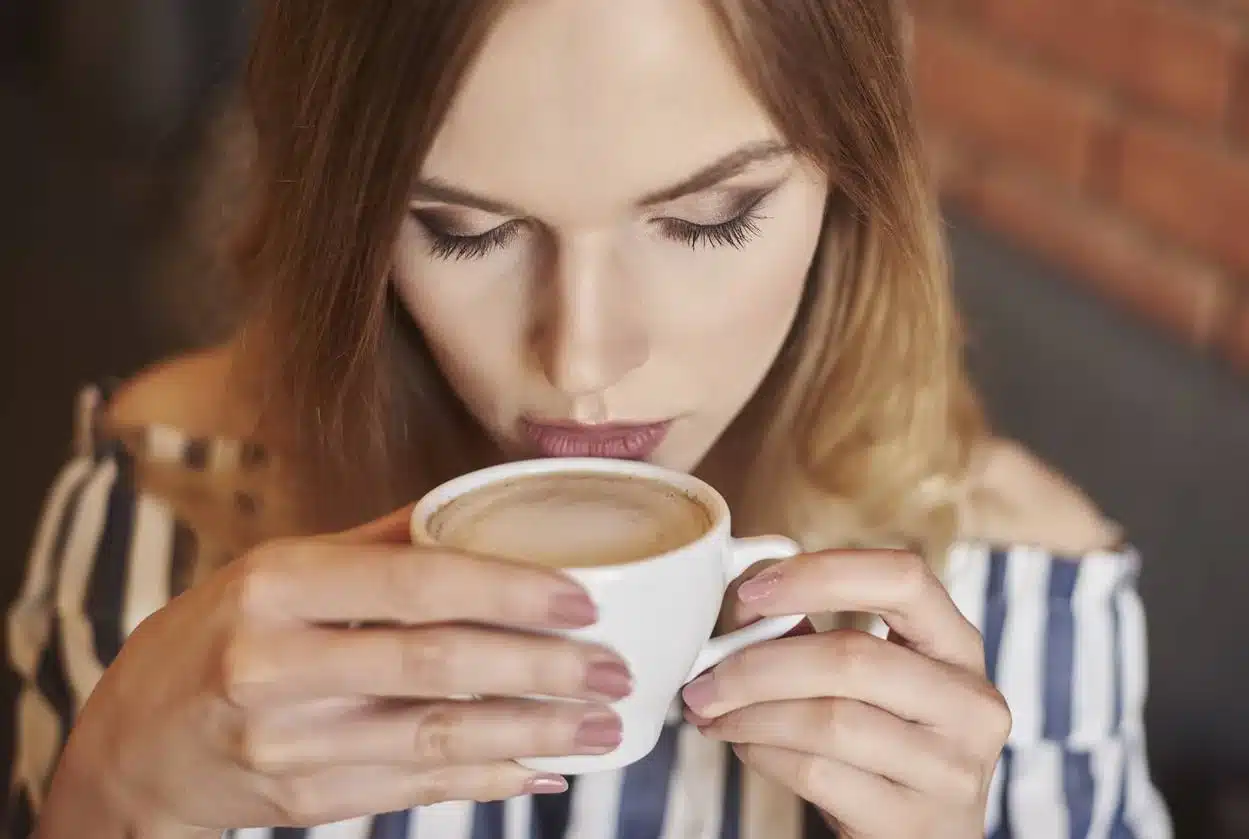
pixel 572 519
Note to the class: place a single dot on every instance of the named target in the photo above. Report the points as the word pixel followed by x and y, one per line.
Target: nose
pixel 590 333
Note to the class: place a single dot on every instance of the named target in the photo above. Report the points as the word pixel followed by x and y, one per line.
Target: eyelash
pixel 736 233
pixel 455 248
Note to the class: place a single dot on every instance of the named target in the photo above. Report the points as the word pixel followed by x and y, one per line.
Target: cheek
pixel 473 322
pixel 734 308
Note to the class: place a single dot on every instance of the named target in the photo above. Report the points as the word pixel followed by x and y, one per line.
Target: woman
pixel 488 231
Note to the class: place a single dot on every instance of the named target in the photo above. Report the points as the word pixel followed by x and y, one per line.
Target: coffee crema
pixel 572 519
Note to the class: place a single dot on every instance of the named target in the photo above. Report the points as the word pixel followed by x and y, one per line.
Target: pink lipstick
pixel 619 440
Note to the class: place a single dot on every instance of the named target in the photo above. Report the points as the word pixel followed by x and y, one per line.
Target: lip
pixel 618 440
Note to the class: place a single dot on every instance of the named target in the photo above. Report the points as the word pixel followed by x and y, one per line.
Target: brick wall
pixel 1109 135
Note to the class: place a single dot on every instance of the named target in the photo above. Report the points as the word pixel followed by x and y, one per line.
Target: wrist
pixel 82 801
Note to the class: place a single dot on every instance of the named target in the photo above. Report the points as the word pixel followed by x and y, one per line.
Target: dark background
pixel 103 108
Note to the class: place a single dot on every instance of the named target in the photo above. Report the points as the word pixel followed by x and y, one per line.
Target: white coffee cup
pixel 657 613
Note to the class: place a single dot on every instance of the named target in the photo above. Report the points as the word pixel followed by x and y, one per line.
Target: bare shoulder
pixel 1015 498
pixel 191 392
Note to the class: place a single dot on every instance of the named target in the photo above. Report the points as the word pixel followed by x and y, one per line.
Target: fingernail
pixel 609 680
pixel 573 609
pixel 700 693
pixel 546 785
pixel 759 588
pixel 600 732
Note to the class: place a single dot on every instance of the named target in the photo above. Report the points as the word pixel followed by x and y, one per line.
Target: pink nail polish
pixel 700 693
pixel 599 733
pixel 546 785
pixel 609 680
pixel 573 610
pixel 760 587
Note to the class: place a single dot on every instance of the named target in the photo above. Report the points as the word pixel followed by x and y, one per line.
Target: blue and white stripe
pixel 1064 642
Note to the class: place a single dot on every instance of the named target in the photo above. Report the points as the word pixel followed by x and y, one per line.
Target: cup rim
pixel 698 489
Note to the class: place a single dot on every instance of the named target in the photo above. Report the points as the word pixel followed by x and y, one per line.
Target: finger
pixel 736 612
pixel 863 804
pixel 327 582
pixel 392 529
pixel 846 664
pixel 273 667
pixel 430 735
pixel 897 586
pixel 858 735
pixel 347 792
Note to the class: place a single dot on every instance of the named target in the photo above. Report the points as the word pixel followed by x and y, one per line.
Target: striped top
pixel 1064 642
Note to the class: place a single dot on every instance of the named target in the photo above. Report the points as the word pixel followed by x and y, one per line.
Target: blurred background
pixel 1094 156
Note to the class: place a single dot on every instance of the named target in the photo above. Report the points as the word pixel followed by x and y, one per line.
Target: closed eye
pixel 736 232
pixel 454 247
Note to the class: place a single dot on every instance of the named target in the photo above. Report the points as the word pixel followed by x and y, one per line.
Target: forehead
pixel 577 105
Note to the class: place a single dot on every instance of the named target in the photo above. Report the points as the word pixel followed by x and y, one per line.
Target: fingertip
pixel 572 608
pixel 394 528
pixel 694 719
pixel 546 784
pixel 700 693
pixel 761 587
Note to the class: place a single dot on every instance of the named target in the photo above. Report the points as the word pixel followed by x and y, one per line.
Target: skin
pixel 594 308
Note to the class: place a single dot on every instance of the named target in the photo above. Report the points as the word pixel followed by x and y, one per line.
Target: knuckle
pixel 733 673
pixel 513 600
pixel 436 789
pixel 412 588
pixel 440 585
pixel 256 575
pixel 997 717
pixel 543 730
pixel 240 670
pixel 831 720
pixel 434 740
pixel 966 781
pixel 912 576
pixel 423 660
pixel 566 669
pixel 492 782
pixel 976 643
pixel 548 734
pixel 499 782
pixel 853 651
pixel 255 752
pixel 809 774
pixel 299 801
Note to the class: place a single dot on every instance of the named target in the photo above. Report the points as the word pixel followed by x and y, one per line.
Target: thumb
pixel 735 614
pixel 391 529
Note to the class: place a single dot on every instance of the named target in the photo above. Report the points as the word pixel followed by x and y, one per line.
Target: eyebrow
pixel 733 163
pixel 721 170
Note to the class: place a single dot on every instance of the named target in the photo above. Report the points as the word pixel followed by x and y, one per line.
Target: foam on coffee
pixel 572 519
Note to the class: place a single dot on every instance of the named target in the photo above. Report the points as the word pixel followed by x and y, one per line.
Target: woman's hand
pixel 892 739
pixel 249 701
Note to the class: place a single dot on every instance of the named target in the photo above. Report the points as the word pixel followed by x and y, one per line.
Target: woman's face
pixel 609 239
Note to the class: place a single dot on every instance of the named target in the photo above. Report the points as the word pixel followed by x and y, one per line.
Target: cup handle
pixel 743 555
